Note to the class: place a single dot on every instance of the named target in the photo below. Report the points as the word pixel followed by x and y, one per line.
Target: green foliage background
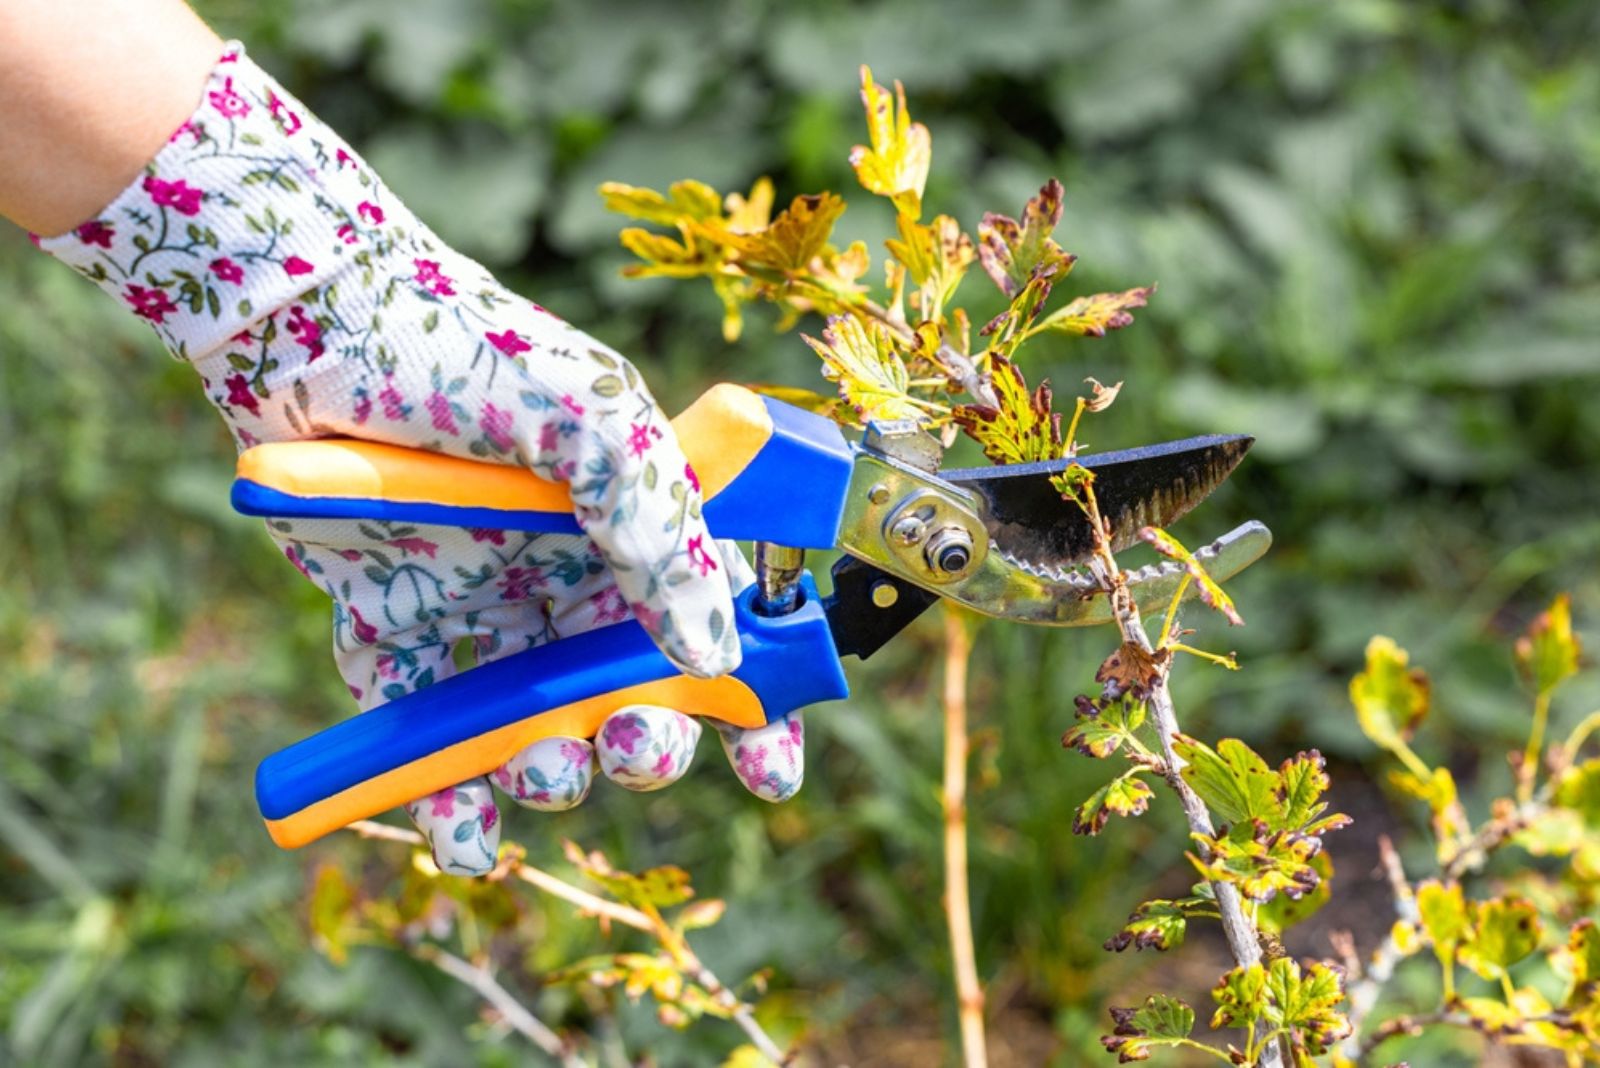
pixel 1374 229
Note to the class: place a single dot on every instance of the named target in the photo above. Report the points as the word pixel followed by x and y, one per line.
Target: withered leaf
pixel 1131 670
pixel 1210 592
pixel 1012 253
pixel 1022 428
pixel 1092 316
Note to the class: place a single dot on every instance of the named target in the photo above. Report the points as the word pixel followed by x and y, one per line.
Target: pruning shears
pixel 998 540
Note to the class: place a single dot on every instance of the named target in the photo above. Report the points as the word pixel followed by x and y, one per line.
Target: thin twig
pixel 1362 993
pixel 505 1003
pixel 739 1011
pixel 957 900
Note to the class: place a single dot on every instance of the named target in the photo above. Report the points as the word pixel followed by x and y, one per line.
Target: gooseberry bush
pixel 1516 946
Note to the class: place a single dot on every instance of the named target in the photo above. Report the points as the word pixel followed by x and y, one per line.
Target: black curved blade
pixel 1148 486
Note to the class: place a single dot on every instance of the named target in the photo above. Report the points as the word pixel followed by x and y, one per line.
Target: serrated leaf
pixel 1161 1022
pixel 1126 795
pixel 1547 655
pixel 1100 732
pixel 936 257
pixel 1390 696
pixel 1283 911
pixel 1022 429
pixel 895 162
pixel 660 887
pixel 1233 780
pixel 1092 316
pixel 1210 592
pixel 1014 253
pixel 1160 924
pixel 1443 912
pixel 1504 931
pixel 872 378
pixel 685 256
pixel 1302 780
pixel 1240 996
pixel 1260 862
pixel 1304 1002
pixel 793 239
pixel 687 199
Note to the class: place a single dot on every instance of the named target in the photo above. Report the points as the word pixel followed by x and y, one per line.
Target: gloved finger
pixel 462 826
pixel 646 747
pixel 740 573
pixel 770 760
pixel 551 775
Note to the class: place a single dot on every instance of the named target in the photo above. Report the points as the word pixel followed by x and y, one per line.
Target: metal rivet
pixel 884 595
pixel 908 531
pixel 878 494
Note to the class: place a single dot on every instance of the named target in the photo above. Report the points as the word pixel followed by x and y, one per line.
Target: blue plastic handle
pixel 789 662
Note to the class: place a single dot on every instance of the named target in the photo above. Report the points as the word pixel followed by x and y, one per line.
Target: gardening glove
pixel 312 303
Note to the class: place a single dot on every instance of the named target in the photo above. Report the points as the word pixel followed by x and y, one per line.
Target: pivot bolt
pixel 949 551
pixel 884 595
pixel 878 494
pixel 908 531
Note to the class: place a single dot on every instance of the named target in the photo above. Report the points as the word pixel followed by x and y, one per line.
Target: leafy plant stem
pixel 1528 770
pixel 1244 940
pixel 738 1010
pixel 1172 610
pixel 957 900
pixel 1580 734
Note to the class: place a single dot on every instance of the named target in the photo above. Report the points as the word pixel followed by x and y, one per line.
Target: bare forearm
pixel 89 92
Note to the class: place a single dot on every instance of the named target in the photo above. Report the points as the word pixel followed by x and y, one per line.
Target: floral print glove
pixel 268 255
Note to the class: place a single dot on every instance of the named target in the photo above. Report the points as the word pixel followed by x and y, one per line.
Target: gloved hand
pixel 311 302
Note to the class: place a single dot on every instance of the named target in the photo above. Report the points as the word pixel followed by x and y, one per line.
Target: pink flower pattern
pixel 340 314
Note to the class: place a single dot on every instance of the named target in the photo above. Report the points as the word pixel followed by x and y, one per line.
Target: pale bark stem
pixel 957 899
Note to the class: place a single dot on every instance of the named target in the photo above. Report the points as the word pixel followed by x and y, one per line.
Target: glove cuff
pixel 252 202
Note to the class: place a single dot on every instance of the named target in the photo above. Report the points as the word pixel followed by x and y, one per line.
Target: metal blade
pixel 1149 486
pixel 869 606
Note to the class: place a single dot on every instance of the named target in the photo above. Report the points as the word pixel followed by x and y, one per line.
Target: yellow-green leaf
pixel 1013 253
pixel 936 258
pixel 1504 930
pixel 1305 1004
pixel 1022 428
pixel 1578 962
pixel 1390 696
pixel 1126 795
pixel 1161 1022
pixel 1261 863
pixel 1283 911
pixel 666 256
pixel 333 913
pixel 1232 779
pixel 795 237
pixel 1092 316
pixel 1160 924
pixel 895 165
pixel 1241 997
pixel 1547 655
pixel 687 199
pixel 872 377
pixel 1443 911
pixel 1210 592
